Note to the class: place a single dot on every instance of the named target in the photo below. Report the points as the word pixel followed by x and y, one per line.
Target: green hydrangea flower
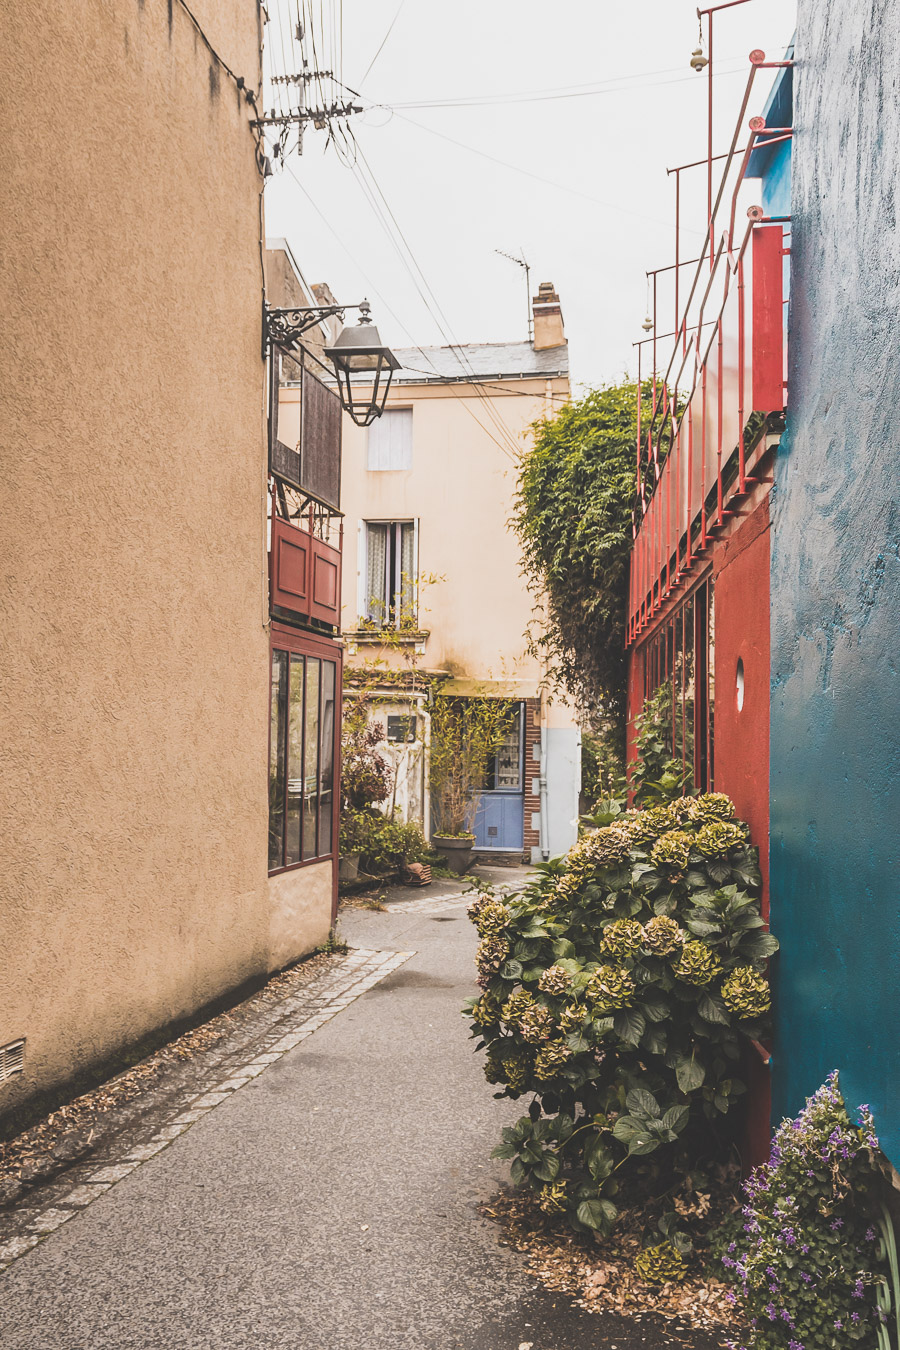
pixel 610 989
pixel 554 980
pixel 672 849
pixel 639 826
pixel 660 1265
pixel 599 848
pixel 491 954
pixel 565 891
pixel 699 965
pixel 659 819
pixel 486 1012
pixel 552 1199
pixel 493 1065
pixel 709 806
pixel 491 918
pixel 517 1070
pixel 535 1024
pixel 623 937
pixel 746 992
pixel 519 1001
pixel 571 1019
pixel 550 1059
pixel 715 839
pixel 662 935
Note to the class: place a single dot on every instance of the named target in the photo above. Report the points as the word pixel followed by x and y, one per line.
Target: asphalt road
pixel 328 1205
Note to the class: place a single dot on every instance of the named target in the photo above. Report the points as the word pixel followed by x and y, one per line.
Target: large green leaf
pixel 712 1009
pixel 597 1214
pixel 675 1118
pixel 641 1102
pixel 690 1073
pixel 629 1025
pixel 759 946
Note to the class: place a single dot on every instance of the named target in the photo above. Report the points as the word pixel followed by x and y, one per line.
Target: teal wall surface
pixel 835 715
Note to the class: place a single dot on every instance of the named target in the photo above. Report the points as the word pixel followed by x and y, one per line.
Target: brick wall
pixel 531 836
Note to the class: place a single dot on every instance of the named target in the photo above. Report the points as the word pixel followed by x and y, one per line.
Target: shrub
pixel 617 990
pixel 809 1262
pixel 366 775
pixel 380 842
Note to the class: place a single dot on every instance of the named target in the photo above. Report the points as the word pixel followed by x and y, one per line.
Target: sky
pixel 411 211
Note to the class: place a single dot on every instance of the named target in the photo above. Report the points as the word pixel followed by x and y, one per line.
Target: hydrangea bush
pixel 810 1262
pixel 617 990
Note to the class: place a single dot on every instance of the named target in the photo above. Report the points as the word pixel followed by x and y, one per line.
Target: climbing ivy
pixel 573 518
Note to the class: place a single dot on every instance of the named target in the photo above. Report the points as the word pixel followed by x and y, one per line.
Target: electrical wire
pixel 539 178
pixel 465 403
pixel 434 307
pixel 383 41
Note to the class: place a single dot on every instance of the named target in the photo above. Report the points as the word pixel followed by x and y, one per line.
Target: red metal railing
pixel 701 434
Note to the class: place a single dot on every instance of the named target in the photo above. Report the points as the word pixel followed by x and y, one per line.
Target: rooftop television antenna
pixel 521 262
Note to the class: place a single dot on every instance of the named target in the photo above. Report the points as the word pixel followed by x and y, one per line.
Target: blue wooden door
pixel 499 821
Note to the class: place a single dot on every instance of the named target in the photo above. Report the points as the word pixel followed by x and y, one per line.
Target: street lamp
pixel 357 351
pixel 360 351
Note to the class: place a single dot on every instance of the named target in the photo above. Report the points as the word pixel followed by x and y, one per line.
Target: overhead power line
pixel 383 41
pixel 465 403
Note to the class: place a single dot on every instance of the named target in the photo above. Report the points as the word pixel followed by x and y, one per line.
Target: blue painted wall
pixel 835 730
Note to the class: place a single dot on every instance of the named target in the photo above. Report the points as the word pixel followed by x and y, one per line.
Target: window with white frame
pixel 390 440
pixel 388 573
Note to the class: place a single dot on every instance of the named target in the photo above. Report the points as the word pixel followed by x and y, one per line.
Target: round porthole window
pixel 740 683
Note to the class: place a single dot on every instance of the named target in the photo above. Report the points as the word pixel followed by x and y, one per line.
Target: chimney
pixel 548 323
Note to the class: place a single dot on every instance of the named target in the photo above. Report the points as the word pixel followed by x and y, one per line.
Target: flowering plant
pixel 617 989
pixel 809 1263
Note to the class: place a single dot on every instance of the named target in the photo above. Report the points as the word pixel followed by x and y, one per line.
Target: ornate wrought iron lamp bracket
pixel 283 327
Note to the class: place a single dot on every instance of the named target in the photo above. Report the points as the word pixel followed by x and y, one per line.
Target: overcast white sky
pixel 455 206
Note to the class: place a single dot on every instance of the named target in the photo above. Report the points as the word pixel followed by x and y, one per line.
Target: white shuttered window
pixel 390 440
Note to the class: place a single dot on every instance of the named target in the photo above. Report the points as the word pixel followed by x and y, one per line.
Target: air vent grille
pixel 12 1059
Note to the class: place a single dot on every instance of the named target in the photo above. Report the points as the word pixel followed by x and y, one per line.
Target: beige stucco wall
pixel 134 658
pixel 299 911
pixel 461 489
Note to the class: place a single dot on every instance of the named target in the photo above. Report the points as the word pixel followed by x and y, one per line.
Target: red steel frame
pixel 683 500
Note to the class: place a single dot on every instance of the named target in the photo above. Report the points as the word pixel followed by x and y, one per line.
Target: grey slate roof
pixel 485 360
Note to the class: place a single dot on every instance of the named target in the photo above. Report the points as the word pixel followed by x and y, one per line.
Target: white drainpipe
pixel 545 820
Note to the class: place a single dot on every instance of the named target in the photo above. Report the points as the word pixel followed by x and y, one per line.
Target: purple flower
pixel 870 1235
pixel 838 1223
pixel 858 1289
pixel 805 1277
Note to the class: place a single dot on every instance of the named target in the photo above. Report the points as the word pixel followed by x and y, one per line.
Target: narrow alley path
pixel 329 1204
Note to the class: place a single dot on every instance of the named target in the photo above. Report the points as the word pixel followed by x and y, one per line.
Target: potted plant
pixel 366 779
pixel 465 733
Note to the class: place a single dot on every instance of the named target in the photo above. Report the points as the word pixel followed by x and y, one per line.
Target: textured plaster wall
pixel 835 731
pixel 134 666
pixel 299 911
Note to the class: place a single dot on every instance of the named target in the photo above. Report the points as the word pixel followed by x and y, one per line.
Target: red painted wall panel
pixel 741 573
pixel 741 579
